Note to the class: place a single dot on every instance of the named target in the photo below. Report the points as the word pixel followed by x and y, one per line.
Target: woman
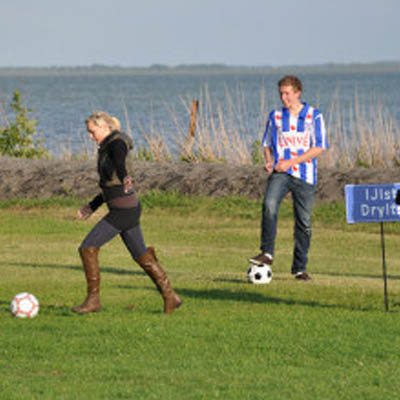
pixel 123 216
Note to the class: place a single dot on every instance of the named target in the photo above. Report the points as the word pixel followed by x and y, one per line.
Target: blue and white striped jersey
pixel 290 136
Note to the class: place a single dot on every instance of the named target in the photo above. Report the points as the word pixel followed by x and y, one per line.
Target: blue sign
pixel 372 203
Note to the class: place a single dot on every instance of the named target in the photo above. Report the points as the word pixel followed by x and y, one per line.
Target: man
pixel 295 135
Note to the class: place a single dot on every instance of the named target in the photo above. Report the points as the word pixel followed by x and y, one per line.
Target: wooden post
pixel 187 151
pixel 193 117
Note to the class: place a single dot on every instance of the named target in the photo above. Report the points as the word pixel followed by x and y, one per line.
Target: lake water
pixel 62 102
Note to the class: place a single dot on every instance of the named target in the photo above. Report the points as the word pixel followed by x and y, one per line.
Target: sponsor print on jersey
pixel 294 139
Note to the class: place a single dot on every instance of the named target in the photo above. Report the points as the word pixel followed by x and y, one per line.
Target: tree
pixel 16 138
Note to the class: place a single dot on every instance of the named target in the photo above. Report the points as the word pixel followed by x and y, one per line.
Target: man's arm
pixel 269 161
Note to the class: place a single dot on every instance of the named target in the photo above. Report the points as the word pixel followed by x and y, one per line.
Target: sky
pixel 174 32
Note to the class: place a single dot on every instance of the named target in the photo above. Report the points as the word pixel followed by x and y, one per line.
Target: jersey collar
pixel 302 113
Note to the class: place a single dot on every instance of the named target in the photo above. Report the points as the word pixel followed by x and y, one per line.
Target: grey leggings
pixel 103 232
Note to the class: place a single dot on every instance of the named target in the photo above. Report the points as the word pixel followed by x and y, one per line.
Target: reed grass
pixel 224 131
pixel 361 133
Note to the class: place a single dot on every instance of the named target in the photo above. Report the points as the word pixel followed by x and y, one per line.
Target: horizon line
pixel 156 66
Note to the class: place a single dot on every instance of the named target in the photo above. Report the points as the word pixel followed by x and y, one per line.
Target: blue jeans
pixel 279 185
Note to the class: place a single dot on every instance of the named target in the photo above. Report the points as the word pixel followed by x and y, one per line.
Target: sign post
pixel 384 269
pixel 373 203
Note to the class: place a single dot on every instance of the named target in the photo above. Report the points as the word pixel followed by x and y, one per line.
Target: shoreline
pixel 42 179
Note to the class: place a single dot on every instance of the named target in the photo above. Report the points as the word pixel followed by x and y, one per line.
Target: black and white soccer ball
pixel 259 274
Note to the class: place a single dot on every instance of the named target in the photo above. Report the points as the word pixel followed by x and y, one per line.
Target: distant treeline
pixel 384 66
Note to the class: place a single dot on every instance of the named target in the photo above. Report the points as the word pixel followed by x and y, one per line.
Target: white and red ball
pixel 24 305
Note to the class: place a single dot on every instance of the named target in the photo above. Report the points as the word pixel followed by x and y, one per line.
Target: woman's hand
pixel 127 184
pixel 85 212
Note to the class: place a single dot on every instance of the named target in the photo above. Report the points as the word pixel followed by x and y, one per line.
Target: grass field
pixel 325 339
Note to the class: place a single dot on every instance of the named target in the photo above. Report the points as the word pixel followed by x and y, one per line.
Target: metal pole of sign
pixel 384 268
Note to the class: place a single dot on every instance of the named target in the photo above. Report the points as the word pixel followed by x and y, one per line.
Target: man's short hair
pixel 291 80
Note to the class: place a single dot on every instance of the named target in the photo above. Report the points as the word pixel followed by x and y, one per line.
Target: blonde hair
pixel 101 118
pixel 116 124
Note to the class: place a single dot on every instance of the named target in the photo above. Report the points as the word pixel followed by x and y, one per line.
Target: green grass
pixel 327 339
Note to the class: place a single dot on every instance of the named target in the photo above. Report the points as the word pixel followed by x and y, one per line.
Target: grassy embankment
pixel 329 338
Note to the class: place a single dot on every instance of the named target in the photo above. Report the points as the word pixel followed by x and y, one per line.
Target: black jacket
pixel 111 166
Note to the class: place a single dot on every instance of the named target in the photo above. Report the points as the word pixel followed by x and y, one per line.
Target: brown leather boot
pixel 148 261
pixel 92 272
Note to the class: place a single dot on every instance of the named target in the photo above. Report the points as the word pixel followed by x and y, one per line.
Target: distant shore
pixel 41 179
pixel 99 69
